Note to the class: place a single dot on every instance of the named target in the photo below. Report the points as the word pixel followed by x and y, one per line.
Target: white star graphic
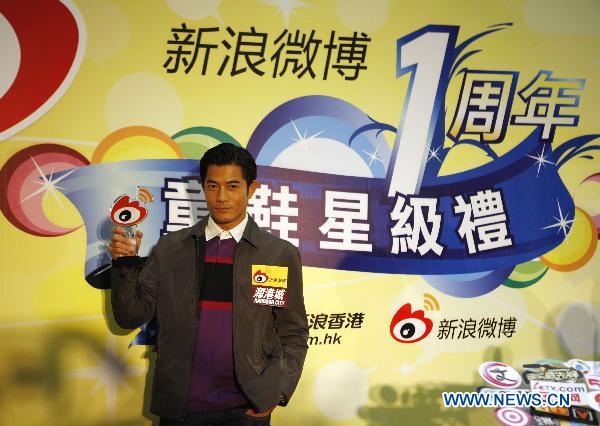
pixel 302 140
pixel 110 372
pixel 563 223
pixel 434 154
pixel 48 185
pixel 541 159
pixel 405 369
pixel 286 7
pixel 372 156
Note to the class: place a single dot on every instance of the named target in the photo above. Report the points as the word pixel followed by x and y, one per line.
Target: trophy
pixel 128 213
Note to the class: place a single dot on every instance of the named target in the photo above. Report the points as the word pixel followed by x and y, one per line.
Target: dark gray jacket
pixel 269 344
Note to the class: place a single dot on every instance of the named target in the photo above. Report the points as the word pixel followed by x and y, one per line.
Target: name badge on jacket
pixel 269 285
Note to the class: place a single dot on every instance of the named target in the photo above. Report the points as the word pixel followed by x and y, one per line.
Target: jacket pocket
pixel 271 348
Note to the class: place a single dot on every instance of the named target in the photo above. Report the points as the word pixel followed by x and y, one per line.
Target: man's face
pixel 227 194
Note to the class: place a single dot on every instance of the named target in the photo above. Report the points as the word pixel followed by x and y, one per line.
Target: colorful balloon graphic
pixel 134 143
pixel 577 248
pixel 526 274
pixel 306 133
pixel 27 177
pixel 595 178
pixel 468 285
pixel 195 141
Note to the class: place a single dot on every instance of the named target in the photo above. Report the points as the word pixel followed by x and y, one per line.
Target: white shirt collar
pixel 212 230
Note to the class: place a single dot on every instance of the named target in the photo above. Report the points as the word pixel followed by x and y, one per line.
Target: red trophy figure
pixel 128 213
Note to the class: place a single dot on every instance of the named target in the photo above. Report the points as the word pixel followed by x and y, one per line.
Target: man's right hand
pixel 122 246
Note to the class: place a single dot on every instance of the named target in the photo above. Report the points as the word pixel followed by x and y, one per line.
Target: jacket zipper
pixel 197 292
pixel 233 310
pixel 196 308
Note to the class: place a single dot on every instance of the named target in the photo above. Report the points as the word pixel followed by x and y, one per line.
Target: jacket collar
pixel 253 234
pixel 196 230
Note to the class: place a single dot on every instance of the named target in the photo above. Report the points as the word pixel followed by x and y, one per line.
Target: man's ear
pixel 252 187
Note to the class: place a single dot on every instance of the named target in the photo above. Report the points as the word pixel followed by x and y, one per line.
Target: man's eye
pixel 233 186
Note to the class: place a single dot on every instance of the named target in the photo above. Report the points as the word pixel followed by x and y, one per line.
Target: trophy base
pixel 129 231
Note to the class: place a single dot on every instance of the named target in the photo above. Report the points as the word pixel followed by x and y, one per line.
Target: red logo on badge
pixel 260 277
pixel 408 326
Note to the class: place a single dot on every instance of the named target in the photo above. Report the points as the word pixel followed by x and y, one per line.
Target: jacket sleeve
pixel 291 324
pixel 134 283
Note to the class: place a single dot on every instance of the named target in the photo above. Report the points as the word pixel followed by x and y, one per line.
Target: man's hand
pixel 254 413
pixel 121 246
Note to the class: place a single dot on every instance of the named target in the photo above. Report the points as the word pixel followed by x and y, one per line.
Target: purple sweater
pixel 213 385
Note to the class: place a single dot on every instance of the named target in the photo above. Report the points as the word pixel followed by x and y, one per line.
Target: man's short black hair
pixel 229 154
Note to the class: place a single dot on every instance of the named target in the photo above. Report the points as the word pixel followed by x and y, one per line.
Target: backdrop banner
pixel 436 164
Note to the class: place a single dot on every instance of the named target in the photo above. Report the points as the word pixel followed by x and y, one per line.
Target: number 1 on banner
pixel 427 55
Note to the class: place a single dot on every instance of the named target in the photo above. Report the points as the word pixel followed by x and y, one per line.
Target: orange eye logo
pixel 260 277
pixel 126 212
pixel 408 326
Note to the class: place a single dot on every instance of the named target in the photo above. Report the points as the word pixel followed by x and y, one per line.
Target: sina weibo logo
pixel 408 326
pixel 42 47
pixel 126 212
pixel 260 277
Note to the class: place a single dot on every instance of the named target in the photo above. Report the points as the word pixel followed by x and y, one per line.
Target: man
pixel 225 353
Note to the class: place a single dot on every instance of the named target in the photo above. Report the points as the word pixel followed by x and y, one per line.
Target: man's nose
pixel 221 194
